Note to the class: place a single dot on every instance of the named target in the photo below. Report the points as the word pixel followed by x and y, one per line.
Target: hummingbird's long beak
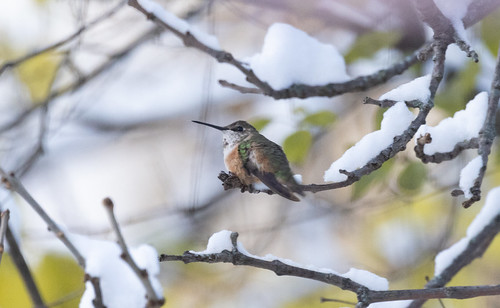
pixel 211 125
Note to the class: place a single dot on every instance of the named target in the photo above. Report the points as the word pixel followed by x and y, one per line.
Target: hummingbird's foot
pixel 231 181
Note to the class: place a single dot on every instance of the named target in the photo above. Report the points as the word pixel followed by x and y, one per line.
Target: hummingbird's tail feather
pixel 270 180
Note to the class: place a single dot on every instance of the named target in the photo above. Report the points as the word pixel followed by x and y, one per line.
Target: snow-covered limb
pixel 337 85
pixel 479 236
pixel 223 247
pixel 120 285
pixel 473 127
pixel 154 296
pixel 396 120
pixel 4 219
pixel 446 22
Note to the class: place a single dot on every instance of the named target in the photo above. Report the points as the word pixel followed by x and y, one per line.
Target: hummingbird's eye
pixel 239 129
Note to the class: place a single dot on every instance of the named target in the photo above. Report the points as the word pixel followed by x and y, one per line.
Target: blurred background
pixel 108 114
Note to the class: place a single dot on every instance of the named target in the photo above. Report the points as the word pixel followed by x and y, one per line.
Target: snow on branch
pixel 473 127
pixel 290 80
pixel 480 233
pixel 368 155
pixel 154 297
pixel 445 19
pixel 224 247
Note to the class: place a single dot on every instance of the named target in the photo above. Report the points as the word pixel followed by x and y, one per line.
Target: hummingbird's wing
pixel 255 163
pixel 270 180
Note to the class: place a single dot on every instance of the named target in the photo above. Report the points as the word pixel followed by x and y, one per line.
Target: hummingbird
pixel 253 158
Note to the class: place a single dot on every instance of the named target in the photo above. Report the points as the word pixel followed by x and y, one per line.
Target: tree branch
pixel 24 271
pixel 296 90
pixel 365 295
pixel 400 142
pixel 12 183
pixel 4 219
pixel 440 157
pixel 475 249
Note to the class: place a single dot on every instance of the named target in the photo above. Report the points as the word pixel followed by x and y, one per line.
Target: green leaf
pixel 260 123
pixel 297 145
pixel 321 118
pixel 59 276
pixel 489 31
pixel 459 90
pixel 379 115
pixel 361 187
pixel 368 44
pixel 412 178
pixel 38 74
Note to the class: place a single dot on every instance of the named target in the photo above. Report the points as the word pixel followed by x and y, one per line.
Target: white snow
pixel 179 24
pixel 489 211
pixel 120 286
pixel 469 174
pixel 417 89
pixel 222 241
pixel 396 120
pixel 464 125
pixel 455 11
pixel 218 242
pixel 291 56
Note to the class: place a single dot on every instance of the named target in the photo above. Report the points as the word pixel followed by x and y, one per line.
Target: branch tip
pixel 107 202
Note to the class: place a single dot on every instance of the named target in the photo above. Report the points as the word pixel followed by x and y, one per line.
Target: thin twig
pixel 153 299
pixel 24 271
pixel 439 157
pixel 96 284
pixel 4 219
pixel 487 134
pixel 12 183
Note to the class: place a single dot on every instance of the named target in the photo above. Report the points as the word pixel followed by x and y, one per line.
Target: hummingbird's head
pixel 233 133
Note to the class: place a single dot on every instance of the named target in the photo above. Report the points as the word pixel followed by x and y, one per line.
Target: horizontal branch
pixel 294 91
pixel 236 257
pixel 365 295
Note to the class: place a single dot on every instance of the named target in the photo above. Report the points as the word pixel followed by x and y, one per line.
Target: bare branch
pixel 4 219
pixel 95 281
pixel 142 274
pixel 12 183
pixel 24 271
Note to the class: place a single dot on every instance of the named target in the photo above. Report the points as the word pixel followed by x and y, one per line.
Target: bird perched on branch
pixel 253 158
